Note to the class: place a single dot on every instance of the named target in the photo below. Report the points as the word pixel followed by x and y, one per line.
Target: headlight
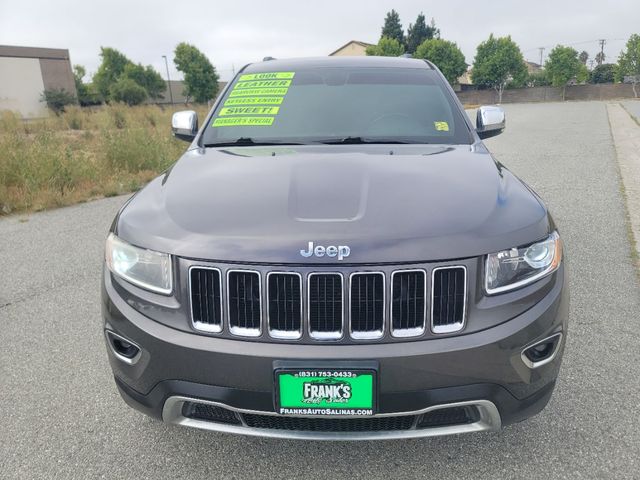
pixel 144 268
pixel 514 268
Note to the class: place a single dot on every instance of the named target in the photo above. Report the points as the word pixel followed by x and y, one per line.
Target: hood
pixel 386 203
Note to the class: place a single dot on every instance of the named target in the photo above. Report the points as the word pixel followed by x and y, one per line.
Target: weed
pixel 84 153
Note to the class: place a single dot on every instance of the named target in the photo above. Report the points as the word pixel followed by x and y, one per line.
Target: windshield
pixel 338 105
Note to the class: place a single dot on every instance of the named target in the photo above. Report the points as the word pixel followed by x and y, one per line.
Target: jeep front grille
pixel 325 305
pixel 448 299
pixel 367 305
pixel 313 306
pixel 245 307
pixel 408 303
pixel 284 297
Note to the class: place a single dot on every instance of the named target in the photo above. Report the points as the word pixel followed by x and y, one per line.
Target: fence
pixel 606 91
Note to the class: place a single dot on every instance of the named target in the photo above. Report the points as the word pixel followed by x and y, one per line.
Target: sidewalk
pixel 625 130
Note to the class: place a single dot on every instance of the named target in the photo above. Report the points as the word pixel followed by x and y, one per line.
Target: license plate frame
pixel 321 392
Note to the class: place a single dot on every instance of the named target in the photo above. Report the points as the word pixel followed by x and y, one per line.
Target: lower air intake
pixel 209 413
pixel 374 424
pixel 449 416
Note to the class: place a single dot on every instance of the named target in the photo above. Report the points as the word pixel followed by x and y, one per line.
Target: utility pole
pixel 541 54
pixel 602 42
pixel 166 64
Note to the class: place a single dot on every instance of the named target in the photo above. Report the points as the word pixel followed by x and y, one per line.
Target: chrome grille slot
pixel 367 305
pixel 325 305
pixel 408 303
pixel 284 297
pixel 206 299
pixel 448 299
pixel 245 307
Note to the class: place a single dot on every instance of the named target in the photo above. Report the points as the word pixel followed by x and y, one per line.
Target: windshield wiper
pixel 359 141
pixel 247 142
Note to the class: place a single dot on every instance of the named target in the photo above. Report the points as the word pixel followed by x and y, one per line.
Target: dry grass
pixel 83 154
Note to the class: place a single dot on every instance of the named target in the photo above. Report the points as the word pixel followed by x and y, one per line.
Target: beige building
pixel 533 67
pixel 26 72
pixel 465 80
pixel 353 48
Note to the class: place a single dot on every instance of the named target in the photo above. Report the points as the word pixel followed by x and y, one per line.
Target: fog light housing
pixel 124 349
pixel 542 352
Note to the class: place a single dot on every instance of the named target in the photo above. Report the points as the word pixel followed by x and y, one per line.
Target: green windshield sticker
pixel 266 76
pixel 252 92
pixel 441 126
pixel 253 101
pixel 263 84
pixel 242 121
pixel 249 111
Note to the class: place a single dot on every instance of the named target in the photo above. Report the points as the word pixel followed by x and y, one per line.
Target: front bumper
pixel 483 369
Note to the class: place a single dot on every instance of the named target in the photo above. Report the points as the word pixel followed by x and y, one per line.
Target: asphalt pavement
pixel 63 418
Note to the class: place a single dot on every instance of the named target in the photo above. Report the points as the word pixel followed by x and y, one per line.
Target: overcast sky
pixel 233 33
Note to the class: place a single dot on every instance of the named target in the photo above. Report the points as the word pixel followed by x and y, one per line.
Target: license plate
pixel 321 392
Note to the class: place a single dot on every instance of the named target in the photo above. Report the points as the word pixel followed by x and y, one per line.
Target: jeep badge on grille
pixel 341 251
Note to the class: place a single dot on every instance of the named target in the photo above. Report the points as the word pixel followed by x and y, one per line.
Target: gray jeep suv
pixel 336 256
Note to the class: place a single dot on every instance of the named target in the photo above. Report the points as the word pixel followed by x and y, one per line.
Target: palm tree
pixel 584 56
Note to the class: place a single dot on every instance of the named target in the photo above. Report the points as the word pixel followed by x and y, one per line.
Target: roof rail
pixel 406 55
pixel 266 59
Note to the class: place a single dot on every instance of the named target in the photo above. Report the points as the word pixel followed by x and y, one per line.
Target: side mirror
pixel 490 121
pixel 184 125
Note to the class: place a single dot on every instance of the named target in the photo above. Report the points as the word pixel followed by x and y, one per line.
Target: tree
pixel 445 55
pixel 583 74
pixel 498 62
pixel 392 27
pixel 629 62
pixel 386 47
pixel 584 56
pixel 87 94
pixel 81 88
pixel 600 58
pixel 115 66
pixel 112 66
pixel 200 77
pixel 563 65
pixel 57 99
pixel 419 32
pixel 604 73
pixel 147 78
pixel 537 79
pixel 126 90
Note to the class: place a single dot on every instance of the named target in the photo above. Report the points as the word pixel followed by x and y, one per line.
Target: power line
pixel 595 40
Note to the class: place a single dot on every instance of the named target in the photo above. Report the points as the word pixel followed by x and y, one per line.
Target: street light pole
pixel 166 63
